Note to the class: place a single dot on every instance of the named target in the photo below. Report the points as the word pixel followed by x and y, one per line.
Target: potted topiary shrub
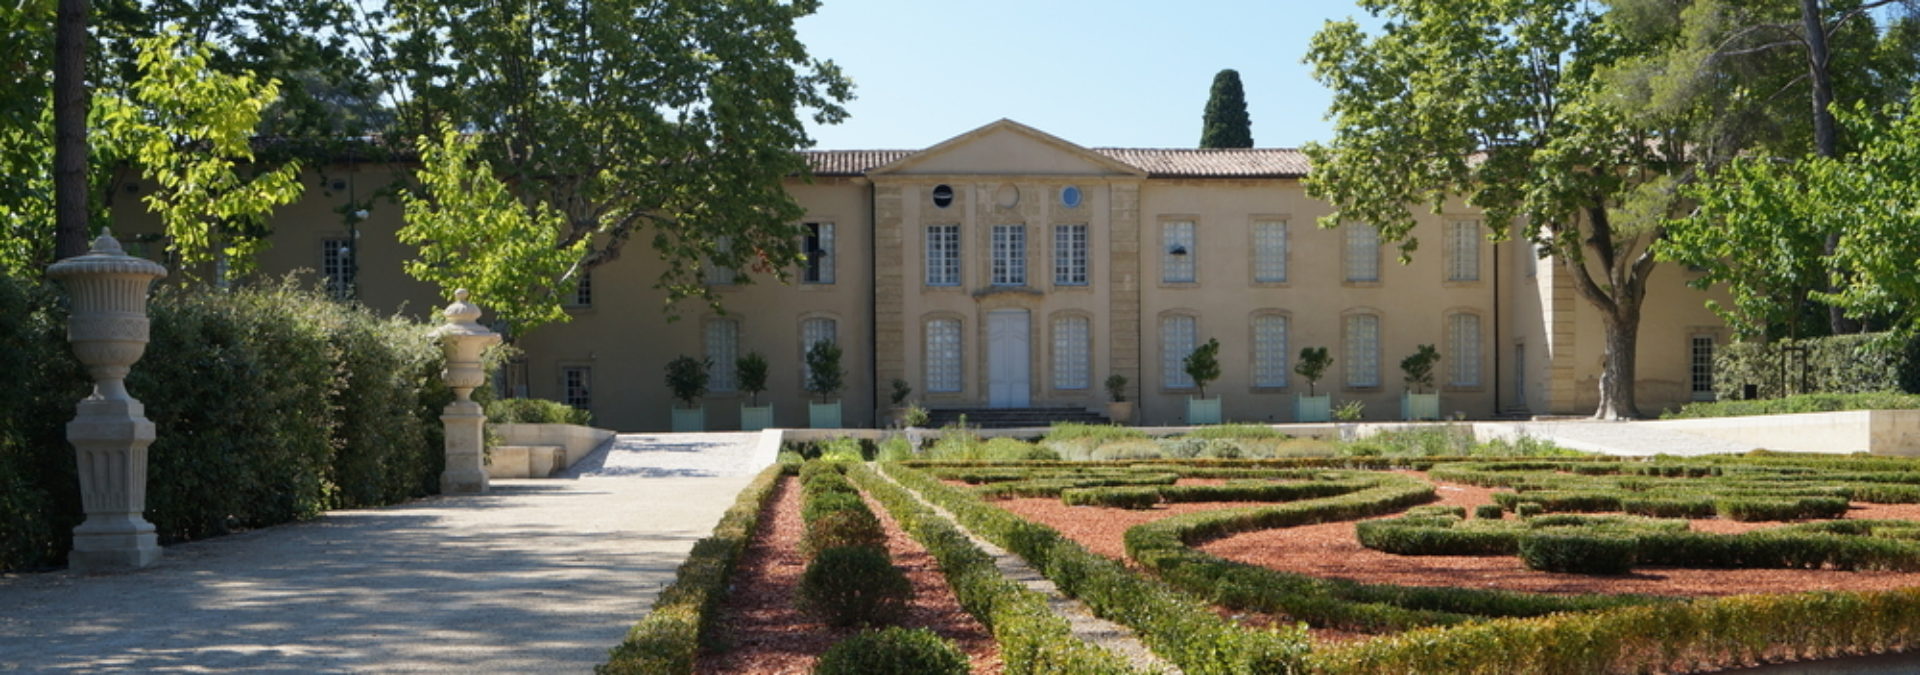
pixel 1203 365
pixel 897 413
pixel 687 379
pixel 752 370
pixel 1119 409
pixel 1418 369
pixel 1313 365
pixel 824 380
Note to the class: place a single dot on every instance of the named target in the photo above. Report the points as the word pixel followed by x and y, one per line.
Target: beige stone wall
pixel 1673 313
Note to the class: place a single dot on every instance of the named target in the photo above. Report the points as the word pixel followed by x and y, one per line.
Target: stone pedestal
pixel 110 432
pixel 463 339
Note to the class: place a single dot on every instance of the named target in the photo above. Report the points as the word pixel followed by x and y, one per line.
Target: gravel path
pixel 536 576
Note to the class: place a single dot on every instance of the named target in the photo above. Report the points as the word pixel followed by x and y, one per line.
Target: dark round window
pixel 942 196
pixel 1070 196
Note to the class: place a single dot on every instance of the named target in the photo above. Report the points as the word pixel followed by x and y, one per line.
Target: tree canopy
pixel 1225 124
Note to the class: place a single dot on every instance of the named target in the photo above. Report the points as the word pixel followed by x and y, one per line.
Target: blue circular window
pixel 1070 196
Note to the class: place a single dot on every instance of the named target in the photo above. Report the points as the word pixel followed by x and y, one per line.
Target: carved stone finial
pixel 105 244
pixel 462 316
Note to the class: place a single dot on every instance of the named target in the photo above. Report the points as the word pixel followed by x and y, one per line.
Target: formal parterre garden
pixel 1238 550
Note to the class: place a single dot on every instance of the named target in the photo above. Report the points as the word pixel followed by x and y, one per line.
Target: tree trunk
pixel 70 103
pixel 1616 376
pixel 1826 139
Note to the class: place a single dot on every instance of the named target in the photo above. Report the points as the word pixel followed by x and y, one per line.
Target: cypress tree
pixel 1226 124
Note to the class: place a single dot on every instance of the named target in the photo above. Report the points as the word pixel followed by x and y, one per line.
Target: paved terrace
pixel 537 576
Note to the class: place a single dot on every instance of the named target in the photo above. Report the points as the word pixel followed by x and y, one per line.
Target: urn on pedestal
pixel 110 432
pixel 463 338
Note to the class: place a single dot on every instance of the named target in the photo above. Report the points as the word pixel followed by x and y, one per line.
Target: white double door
pixel 1008 369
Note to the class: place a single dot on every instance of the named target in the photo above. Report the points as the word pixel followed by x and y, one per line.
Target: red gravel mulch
pixel 764 634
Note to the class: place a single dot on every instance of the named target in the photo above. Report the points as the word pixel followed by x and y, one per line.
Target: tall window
pixel 1270 350
pixel 582 295
pixel 1363 350
pixel 1070 255
pixel 1363 252
pixel 576 386
pixel 814 331
pixel 1176 252
pixel 723 346
pixel 1463 346
pixel 1177 338
pixel 943 255
pixel 718 274
pixel 1009 255
pixel 943 355
pixel 1701 367
pixel 336 262
pixel 1270 252
pixel 1463 250
pixel 1070 353
pixel 818 248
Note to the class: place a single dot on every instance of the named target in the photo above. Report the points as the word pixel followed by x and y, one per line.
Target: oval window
pixel 1070 196
pixel 942 196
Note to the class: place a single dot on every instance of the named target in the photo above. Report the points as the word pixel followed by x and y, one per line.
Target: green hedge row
pixel 1178 627
pixel 1839 364
pixel 1032 638
pixel 668 640
pixel 535 411
pixel 1701 634
pixel 1166 546
pixel 1839 544
pixel 272 404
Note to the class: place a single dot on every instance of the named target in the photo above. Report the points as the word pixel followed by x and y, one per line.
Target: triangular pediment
pixel 1007 147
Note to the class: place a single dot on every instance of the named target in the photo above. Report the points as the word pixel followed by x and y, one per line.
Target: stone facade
pixel 1000 211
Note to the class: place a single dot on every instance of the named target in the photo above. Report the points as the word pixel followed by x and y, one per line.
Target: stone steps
pixel 525 461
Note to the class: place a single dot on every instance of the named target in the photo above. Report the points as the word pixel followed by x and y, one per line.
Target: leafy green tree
pixel 671 123
pixel 1313 365
pixel 1875 191
pixel 1418 368
pixel 1225 124
pixel 1203 364
pixel 1509 105
pixel 824 376
pixel 26 151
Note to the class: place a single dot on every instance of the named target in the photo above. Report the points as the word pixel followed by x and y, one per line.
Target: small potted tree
pixel 824 380
pixel 1203 365
pixel 752 369
pixel 1119 409
pixel 687 379
pixel 1313 365
pixel 897 413
pixel 1418 369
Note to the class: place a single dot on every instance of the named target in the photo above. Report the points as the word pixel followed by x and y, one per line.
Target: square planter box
pixel 755 418
pixel 692 419
pixel 823 415
pixel 1313 408
pixel 1203 410
pixel 1420 406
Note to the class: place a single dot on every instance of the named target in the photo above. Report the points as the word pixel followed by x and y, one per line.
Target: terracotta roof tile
pixel 1157 162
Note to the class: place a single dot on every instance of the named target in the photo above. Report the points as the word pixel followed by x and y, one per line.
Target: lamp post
pixel 110 432
pixel 463 339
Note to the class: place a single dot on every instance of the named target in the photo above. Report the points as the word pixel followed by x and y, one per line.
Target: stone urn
pixel 463 339
pixel 110 432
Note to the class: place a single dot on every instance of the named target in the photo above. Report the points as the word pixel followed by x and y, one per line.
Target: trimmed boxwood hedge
pixel 893 651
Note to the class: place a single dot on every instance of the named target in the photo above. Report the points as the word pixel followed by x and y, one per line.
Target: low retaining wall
pixel 1881 432
pixel 575 440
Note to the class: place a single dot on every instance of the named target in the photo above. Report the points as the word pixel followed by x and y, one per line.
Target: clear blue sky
pixel 1130 73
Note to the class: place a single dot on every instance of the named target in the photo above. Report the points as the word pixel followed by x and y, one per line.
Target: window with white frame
pixel 943 255
pixel 1463 250
pixel 943 355
pixel 582 295
pixel 1270 350
pixel 718 274
pixel 576 386
pixel 1070 353
pixel 1270 251
pixel 1070 255
pixel 336 263
pixel 1363 252
pixel 1463 350
pixel 1700 366
pixel 1177 338
pixel 818 247
pixel 1009 255
pixel 1176 252
pixel 1363 350
pixel 814 331
pixel 723 347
